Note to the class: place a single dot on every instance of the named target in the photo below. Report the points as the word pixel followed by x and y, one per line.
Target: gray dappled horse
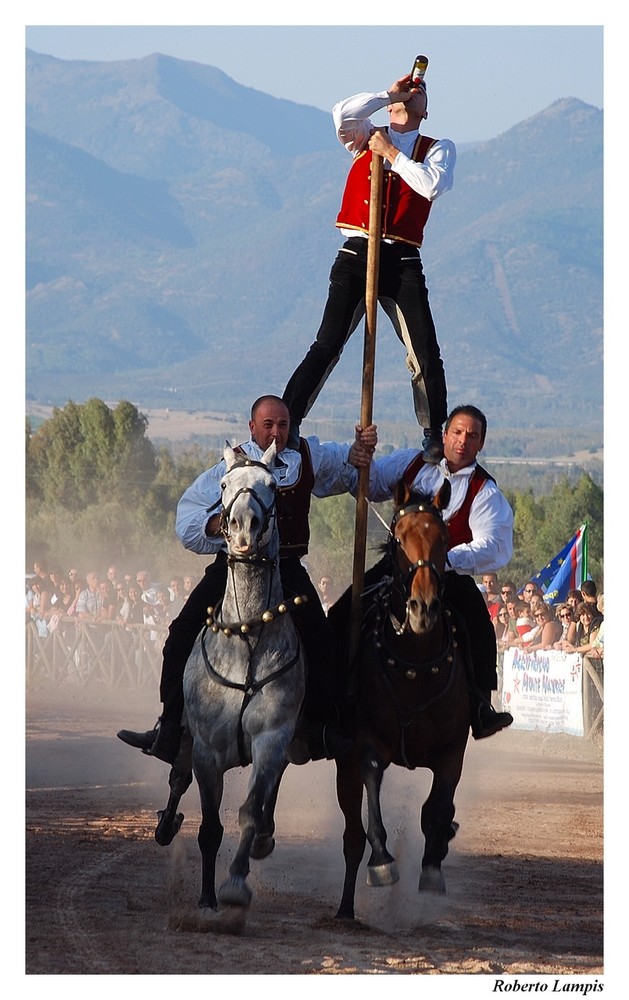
pixel 243 684
pixel 411 705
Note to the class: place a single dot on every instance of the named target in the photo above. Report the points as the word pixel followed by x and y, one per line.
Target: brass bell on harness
pixel 244 628
pixel 411 674
pixel 282 609
pixel 267 616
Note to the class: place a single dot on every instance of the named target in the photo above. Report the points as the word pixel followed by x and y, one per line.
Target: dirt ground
pixel 524 874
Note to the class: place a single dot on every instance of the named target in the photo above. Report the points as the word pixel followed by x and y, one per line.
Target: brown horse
pixel 409 695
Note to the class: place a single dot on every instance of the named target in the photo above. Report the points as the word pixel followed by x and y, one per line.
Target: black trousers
pixel 403 295
pixel 462 593
pixel 310 621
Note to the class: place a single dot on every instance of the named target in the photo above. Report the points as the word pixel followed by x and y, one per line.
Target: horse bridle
pixel 403 585
pixel 268 513
pixel 390 658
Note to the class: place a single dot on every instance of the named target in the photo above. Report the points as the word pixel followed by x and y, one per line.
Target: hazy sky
pixel 482 79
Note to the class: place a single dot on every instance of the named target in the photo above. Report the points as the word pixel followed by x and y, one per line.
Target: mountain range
pixel 180 231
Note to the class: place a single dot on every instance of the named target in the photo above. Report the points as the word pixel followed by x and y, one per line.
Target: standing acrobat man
pixel 418 170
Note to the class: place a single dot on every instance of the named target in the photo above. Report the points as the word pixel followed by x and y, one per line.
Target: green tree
pixel 87 453
pixel 97 490
pixel 525 526
pixel 172 477
pixel 96 485
pixel 543 526
pixel 568 507
pixel 332 535
pixel 332 523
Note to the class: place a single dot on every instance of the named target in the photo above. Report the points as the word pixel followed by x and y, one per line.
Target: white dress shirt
pixel 333 475
pixel 431 178
pixel 491 517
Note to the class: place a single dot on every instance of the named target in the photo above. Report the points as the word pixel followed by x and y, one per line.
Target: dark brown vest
pixel 293 508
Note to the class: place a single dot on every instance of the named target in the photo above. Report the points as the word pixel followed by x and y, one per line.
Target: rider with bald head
pixel 315 468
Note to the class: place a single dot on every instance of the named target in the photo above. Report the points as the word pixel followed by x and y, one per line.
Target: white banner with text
pixel 543 690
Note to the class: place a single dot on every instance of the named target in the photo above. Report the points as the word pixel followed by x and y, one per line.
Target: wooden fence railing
pixel 593 696
pixel 80 654
pixel 116 657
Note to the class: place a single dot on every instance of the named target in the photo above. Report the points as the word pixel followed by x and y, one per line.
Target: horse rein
pixel 249 687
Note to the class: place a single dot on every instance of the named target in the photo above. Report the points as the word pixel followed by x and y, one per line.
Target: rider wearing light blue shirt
pixel 319 469
pixel 333 474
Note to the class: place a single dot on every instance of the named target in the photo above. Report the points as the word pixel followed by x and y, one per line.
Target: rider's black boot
pixel 163 741
pixel 485 720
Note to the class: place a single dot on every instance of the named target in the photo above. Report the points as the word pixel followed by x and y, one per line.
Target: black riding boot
pixel 485 720
pixel 163 741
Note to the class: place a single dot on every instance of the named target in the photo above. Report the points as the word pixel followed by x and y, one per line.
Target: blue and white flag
pixel 566 571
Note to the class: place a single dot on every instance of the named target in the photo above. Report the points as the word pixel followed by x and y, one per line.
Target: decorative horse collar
pixel 215 624
pixel 392 659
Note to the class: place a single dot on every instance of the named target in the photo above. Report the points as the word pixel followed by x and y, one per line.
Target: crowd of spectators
pixel 55 599
pixel 523 619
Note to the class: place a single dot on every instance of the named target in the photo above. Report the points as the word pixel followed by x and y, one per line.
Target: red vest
pixel 459 531
pixel 404 212
pixel 293 508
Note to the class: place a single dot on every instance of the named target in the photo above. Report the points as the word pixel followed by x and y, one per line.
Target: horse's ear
pixel 442 499
pixel 269 456
pixel 401 493
pixel 229 455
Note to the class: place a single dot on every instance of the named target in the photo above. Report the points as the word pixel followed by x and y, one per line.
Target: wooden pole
pixel 366 407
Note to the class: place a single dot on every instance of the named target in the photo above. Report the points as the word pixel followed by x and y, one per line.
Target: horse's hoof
pixel 235 892
pixel 386 874
pixel 166 831
pixel 208 903
pixel 432 880
pixel 262 847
